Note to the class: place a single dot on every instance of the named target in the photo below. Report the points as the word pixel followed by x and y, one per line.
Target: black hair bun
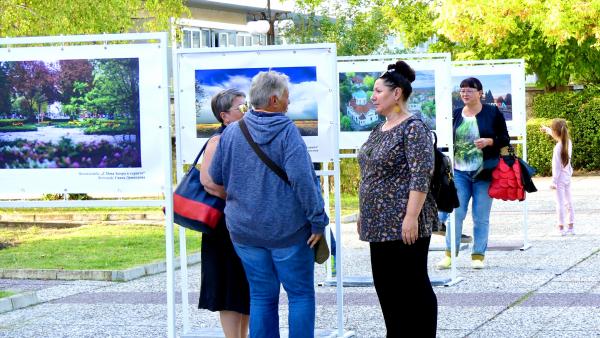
pixel 404 69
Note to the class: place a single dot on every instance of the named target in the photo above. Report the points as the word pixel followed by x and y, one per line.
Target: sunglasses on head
pixel 385 72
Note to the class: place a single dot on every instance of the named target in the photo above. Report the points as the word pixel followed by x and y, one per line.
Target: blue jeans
pixel 266 269
pixel 469 187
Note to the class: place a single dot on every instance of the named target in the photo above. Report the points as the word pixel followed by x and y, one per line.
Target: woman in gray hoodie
pixel 273 224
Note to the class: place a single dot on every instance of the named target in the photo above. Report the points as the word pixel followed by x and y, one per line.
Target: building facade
pixel 230 23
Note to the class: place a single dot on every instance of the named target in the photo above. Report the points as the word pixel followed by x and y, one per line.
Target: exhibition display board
pixel 83 118
pixel 198 74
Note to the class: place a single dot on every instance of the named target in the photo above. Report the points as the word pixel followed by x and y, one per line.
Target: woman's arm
pixel 419 154
pixel 210 186
pixel 410 224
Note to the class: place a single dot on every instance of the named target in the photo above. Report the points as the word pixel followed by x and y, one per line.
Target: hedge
pixel 582 109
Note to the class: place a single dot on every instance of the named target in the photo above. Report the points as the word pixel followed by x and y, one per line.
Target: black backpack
pixel 442 182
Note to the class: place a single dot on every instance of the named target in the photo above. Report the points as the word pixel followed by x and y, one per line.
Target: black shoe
pixel 441 230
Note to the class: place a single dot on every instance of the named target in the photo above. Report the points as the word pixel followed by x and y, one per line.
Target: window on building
pixel 223 40
pixel 243 39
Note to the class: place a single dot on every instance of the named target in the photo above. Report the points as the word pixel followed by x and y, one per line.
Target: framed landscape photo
pixel 312 88
pixel 303 109
pixel 429 101
pixel 82 119
pixel 503 84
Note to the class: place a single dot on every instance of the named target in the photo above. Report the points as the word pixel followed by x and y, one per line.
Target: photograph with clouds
pixel 496 90
pixel 303 108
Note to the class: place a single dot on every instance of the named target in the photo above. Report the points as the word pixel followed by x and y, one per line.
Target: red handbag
pixel 506 180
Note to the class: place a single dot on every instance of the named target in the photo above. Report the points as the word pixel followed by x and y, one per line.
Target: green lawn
pixel 349 205
pixel 89 247
pixel 5 293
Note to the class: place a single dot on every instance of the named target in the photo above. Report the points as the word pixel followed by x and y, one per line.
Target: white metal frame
pixel 444 134
pixel 167 202
pixel 521 132
pixel 326 173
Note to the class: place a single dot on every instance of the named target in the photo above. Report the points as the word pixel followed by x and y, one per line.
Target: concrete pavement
pixel 550 290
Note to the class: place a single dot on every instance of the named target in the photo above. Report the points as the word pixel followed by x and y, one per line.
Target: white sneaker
pixel 444 264
pixel 570 231
pixel 562 232
pixel 477 264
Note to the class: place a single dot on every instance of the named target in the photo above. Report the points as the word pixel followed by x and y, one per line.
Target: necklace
pixel 391 123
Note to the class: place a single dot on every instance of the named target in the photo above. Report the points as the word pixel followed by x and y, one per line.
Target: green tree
pixel 37 18
pixel 357 27
pixel 559 39
pixel 369 82
pixel 345 123
pixel 5 101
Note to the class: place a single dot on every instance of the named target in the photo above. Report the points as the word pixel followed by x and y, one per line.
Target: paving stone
pixel 5 304
pixel 23 300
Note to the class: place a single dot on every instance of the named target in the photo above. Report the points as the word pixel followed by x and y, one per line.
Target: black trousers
pixel 407 300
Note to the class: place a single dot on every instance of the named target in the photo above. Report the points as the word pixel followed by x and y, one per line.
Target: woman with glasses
pixel 223 285
pixel 479 133
pixel 397 210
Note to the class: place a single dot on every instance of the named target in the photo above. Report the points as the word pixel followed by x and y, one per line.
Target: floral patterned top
pixel 392 163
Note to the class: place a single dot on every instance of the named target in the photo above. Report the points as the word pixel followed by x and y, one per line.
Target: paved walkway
pixel 550 290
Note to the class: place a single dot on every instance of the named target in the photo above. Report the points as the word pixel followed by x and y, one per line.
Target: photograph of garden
pixel 357 112
pixel 303 108
pixel 81 113
pixel 496 90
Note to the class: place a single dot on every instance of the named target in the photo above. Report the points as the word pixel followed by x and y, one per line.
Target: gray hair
pixel 223 100
pixel 266 84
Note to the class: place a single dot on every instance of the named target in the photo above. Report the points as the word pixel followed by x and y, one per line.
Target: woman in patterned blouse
pixel 397 211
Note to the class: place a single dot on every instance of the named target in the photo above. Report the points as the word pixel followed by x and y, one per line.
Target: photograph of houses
pixel 303 108
pixel 497 90
pixel 82 113
pixel 357 112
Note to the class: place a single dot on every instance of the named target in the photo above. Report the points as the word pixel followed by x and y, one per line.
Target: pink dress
pixel 561 179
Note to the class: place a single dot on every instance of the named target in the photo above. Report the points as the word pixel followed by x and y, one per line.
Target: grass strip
pixel 89 247
pixel 4 294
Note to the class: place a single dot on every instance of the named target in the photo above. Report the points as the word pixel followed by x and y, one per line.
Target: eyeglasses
pixel 468 91
pixel 242 108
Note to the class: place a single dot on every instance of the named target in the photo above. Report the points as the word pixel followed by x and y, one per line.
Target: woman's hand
pixel 313 239
pixel 481 143
pixel 410 230
pixel 358 225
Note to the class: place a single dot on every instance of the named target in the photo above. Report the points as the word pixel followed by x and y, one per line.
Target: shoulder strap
pixel 200 153
pixel 276 169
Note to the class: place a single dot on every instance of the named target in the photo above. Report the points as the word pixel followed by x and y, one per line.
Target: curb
pixel 80 218
pixel 97 275
pixel 349 218
pixel 18 301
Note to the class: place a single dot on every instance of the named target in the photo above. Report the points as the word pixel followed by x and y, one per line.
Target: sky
pixel 303 88
pixel 498 84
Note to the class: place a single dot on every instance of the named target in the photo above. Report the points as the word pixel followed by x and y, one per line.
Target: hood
pixel 265 127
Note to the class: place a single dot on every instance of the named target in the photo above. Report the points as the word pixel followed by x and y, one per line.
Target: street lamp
pixel 266 23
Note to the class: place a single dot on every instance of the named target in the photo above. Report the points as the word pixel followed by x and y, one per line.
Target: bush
pixel 349 176
pixel 10 122
pixel 582 109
